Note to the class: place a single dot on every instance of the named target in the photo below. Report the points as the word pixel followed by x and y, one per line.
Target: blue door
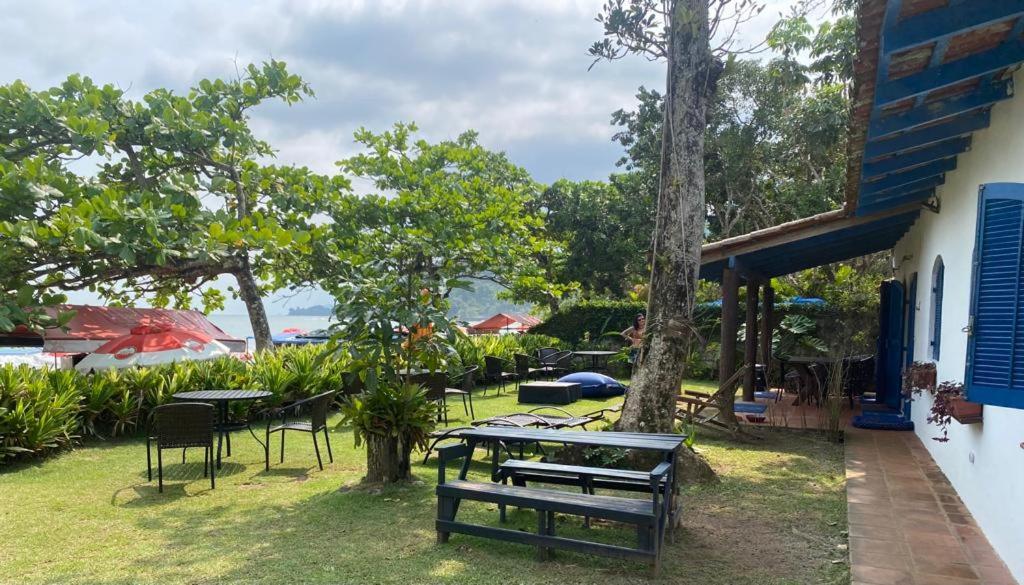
pixel 910 321
pixel 889 362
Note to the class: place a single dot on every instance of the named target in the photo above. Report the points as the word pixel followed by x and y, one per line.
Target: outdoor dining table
pixel 666 445
pixel 598 358
pixel 802 365
pixel 221 399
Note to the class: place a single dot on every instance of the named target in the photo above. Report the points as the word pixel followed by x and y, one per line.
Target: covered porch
pixel 752 260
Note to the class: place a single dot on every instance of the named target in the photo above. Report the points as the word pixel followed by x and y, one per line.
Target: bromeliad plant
pixel 396 418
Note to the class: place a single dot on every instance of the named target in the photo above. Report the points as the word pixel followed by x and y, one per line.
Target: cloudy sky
pixel 515 70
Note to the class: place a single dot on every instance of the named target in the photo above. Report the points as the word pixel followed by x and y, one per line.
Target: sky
pixel 514 70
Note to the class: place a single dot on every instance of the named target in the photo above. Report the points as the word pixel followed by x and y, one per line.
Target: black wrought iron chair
pixel 318 407
pixel 494 371
pixel 179 426
pixel 468 380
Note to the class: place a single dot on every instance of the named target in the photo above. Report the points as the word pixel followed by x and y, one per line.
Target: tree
pixel 179 195
pixel 444 213
pixel 604 234
pixel 678 31
pixel 767 143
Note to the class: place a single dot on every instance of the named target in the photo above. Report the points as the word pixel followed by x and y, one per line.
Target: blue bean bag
pixel 595 385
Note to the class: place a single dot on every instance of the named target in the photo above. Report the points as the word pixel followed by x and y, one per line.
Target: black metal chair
pixel 466 390
pixel 436 384
pixel 318 407
pixel 494 371
pixel 179 426
pixel 351 384
pixel 544 352
pixel 523 370
pixel 556 364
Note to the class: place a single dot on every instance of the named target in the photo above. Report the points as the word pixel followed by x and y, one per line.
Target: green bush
pixel 43 410
pixel 595 322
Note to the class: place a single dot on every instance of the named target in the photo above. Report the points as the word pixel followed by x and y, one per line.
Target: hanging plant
pixel 948 403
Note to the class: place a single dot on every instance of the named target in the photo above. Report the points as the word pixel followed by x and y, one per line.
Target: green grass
pixel 90 516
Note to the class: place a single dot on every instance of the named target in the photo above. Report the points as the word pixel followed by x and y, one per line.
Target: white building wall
pixel 984 462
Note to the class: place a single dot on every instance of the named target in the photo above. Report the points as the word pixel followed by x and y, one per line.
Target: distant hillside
pixel 311 311
pixel 482 302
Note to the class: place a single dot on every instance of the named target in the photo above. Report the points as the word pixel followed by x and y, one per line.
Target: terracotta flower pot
pixel 965 412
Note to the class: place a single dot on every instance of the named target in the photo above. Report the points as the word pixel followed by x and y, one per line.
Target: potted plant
pixel 949 402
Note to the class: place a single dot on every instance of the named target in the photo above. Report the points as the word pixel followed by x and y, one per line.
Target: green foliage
pixel 399 411
pixel 43 410
pixel 591 320
pixel 180 194
pixel 605 231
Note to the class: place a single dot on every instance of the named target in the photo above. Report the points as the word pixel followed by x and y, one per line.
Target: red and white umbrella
pixel 151 345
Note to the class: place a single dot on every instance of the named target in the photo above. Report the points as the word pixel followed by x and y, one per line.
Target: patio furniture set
pixel 199 416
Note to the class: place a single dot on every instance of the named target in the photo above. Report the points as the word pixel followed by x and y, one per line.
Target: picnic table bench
pixel 649 516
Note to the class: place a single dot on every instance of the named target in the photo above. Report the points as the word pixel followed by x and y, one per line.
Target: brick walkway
pixel 907 525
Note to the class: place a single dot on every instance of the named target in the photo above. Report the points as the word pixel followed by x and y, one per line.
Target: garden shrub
pixel 591 321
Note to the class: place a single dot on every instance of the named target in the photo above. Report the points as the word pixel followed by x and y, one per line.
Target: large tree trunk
pixel 679 226
pixel 250 292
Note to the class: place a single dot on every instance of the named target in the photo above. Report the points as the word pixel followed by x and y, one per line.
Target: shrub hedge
pixel 590 321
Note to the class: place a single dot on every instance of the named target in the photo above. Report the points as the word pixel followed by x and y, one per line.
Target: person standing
pixel 635 336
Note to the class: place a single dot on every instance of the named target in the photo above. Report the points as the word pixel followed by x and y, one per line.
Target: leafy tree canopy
pixel 156 197
pixel 443 213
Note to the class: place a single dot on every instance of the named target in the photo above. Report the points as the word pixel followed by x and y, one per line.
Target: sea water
pixel 240 327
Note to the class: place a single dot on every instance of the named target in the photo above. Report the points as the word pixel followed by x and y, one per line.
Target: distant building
pixel 504 323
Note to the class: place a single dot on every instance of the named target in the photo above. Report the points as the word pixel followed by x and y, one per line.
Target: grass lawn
pixel 89 516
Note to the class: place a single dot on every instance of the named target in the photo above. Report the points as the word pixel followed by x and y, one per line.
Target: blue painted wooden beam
pixel 925 155
pixel 870 194
pixel 986 95
pixel 1005 55
pixel 951 20
pixel 870 207
pixel 958 126
pixel 914 175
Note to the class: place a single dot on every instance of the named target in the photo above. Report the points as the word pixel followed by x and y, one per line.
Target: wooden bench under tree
pixel 649 516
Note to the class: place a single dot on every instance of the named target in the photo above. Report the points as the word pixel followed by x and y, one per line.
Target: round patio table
pixel 598 358
pixel 221 399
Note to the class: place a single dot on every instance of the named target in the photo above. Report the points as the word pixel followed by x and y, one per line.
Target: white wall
pixel 992 486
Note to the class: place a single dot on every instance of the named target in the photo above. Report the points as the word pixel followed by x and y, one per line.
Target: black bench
pixel 520 472
pixel 649 516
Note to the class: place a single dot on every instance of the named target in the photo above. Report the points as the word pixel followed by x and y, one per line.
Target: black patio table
pixel 665 444
pixel 598 358
pixel 221 399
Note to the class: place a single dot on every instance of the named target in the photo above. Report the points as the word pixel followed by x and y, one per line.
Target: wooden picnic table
pixel 665 444
pixel 651 517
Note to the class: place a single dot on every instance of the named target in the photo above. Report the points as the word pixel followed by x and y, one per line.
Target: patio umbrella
pixel 150 345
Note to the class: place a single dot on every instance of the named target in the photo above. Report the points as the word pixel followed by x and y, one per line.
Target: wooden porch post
pixel 730 298
pixel 750 343
pixel 767 326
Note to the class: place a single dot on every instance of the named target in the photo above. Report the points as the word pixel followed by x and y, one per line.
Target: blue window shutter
pixel 940 274
pixel 995 364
